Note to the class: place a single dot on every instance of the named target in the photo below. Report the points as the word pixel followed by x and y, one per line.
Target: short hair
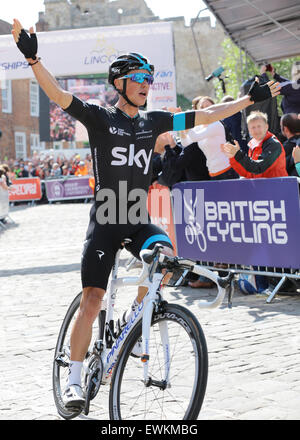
pixel 195 102
pixel 207 98
pixel 291 121
pixel 257 115
pixel 227 98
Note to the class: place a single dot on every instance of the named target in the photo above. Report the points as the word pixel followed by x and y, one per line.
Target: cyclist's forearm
pixel 50 86
pixel 221 111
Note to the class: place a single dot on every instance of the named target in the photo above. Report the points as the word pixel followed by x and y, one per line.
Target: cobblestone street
pixel 254 348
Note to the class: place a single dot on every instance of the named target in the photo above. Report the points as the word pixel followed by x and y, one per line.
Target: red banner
pixel 25 189
pixel 160 210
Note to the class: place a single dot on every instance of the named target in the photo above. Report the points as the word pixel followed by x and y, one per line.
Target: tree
pixel 240 67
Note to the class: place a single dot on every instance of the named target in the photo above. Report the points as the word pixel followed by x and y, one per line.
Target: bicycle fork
pixel 163 327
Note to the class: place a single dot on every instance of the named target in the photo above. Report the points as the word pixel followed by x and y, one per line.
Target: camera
pixel 215 74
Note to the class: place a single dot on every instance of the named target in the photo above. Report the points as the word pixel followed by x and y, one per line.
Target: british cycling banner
pixel 245 221
pixel 25 189
pixel 69 188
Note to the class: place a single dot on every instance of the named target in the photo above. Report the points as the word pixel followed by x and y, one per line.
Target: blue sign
pixel 244 221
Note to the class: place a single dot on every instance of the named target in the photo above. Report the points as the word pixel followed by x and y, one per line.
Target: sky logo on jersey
pixel 123 156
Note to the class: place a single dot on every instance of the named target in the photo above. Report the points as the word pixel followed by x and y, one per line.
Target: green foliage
pixel 183 102
pixel 239 67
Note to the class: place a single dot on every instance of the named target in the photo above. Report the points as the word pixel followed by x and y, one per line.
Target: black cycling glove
pixel 259 92
pixel 28 44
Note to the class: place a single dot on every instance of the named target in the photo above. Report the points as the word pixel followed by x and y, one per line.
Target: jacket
pixel 267 159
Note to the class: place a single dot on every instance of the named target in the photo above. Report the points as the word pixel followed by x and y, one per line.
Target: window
pixel 20 145
pixel 35 144
pixel 34 99
pixel 6 96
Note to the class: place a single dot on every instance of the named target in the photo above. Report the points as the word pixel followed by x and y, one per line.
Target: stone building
pixel 192 63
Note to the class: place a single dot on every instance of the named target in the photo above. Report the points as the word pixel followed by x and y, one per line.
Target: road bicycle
pixel 168 381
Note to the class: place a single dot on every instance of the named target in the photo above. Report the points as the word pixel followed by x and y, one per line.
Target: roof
pixel 266 30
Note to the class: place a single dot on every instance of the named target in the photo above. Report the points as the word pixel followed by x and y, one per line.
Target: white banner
pixel 91 50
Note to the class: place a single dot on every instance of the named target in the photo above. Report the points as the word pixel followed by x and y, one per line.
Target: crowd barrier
pixel 249 225
pixel 25 189
pixel 4 210
pixel 69 188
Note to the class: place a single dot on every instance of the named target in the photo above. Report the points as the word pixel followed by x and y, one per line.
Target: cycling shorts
pixel 103 241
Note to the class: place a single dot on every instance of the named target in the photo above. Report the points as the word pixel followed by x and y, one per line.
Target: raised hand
pixel 27 43
pixel 261 92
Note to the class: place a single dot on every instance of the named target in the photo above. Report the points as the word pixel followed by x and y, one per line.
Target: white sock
pixel 74 377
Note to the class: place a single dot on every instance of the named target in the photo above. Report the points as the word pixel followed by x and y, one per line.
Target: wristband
pixel 32 64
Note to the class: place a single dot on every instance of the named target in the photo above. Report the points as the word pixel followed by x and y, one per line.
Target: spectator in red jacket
pixel 266 155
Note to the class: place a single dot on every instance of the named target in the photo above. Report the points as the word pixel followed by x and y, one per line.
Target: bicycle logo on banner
pixel 193 230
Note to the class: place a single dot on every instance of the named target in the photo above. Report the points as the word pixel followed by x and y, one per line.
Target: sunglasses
pixel 140 77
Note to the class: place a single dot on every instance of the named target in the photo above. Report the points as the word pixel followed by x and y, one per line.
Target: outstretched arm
pixel 28 45
pixel 221 111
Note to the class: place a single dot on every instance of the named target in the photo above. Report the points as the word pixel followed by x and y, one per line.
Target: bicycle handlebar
pixel 170 263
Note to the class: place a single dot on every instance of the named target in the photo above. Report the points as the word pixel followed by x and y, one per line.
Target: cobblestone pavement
pixel 254 354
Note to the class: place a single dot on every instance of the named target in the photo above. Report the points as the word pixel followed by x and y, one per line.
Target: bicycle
pixel 169 380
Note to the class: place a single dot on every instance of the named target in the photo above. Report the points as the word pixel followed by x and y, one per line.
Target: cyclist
pixel 122 140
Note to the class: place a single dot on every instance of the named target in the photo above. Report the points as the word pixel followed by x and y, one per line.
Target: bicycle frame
pixel 109 355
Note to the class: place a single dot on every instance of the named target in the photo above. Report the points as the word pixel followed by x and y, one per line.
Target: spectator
pixel 4 197
pixel 82 169
pixel 290 128
pixel 289 89
pixel 209 139
pixel 234 125
pixel 56 171
pixel 266 155
pixel 65 170
pixel 23 172
pixel 296 156
pixel 268 106
pixel 7 174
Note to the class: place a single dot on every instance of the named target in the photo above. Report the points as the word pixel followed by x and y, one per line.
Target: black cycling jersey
pixel 122 149
pixel 122 146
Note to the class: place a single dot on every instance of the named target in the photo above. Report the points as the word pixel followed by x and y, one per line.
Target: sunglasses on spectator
pixel 140 77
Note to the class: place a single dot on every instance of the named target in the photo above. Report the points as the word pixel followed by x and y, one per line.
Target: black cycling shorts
pixel 103 241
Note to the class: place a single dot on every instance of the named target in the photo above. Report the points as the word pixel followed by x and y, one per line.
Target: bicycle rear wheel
pixel 62 358
pixel 130 398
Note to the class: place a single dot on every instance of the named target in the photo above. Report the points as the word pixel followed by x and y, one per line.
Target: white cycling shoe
pixel 73 397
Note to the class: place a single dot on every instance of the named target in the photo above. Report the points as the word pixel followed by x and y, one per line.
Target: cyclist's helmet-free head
pixel 125 64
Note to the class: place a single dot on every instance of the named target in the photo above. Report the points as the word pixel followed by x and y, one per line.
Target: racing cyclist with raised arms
pixel 122 139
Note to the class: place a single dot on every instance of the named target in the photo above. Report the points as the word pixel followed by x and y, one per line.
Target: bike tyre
pixel 57 391
pixel 187 320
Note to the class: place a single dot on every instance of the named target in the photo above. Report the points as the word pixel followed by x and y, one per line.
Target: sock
pixel 74 377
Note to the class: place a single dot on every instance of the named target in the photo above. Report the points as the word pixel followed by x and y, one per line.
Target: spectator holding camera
pixel 289 89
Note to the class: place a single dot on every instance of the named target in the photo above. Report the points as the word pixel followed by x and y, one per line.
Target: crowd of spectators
pixel 46 167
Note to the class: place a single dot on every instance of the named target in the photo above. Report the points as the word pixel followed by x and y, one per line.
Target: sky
pixel 27 10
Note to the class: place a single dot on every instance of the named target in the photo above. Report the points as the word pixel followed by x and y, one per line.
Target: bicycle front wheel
pixel 130 398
